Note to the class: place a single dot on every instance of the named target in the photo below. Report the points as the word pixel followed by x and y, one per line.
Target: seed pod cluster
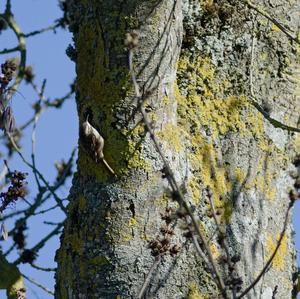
pixel 162 244
pixel 15 191
pixel 7 121
pixel 8 69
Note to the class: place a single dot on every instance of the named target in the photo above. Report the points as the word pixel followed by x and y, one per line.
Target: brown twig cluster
pixel 162 244
pixel 7 121
pixel 16 190
pixel 28 256
pixel 21 293
pixel 8 70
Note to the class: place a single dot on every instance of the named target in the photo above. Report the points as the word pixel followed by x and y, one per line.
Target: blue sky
pixel 57 130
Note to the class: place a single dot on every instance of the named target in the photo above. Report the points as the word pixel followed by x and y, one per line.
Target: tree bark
pixel 193 61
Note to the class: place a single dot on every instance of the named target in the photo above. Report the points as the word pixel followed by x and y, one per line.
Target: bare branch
pixel 57 199
pixel 42 268
pixel 23 53
pixel 283 29
pixel 36 32
pixel 33 281
pixel 11 50
pixel 148 277
pixel 33 139
pixel 253 101
pixel 42 242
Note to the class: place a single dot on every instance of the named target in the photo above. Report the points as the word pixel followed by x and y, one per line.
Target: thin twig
pixel 200 252
pixel 42 268
pixel 23 53
pixel 56 103
pixel 42 242
pixel 148 277
pixel 39 200
pixel 57 199
pixel 50 223
pixel 45 211
pixel 40 92
pixel 275 123
pixel 8 7
pixel 270 260
pixel 273 20
pixel 222 237
pixel 38 284
pixel 172 181
pixel 33 139
pixel 25 200
pixel 11 50
pixel 49 28
pixel 13 214
pixel 12 247
pixel 275 291
pixel 4 171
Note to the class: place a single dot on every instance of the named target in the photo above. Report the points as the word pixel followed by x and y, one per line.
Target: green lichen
pixel 132 22
pixel 75 241
pixel 82 202
pixel 103 91
pixel 99 261
pixel 66 275
pixel 132 222
pixel 204 160
pixel 215 251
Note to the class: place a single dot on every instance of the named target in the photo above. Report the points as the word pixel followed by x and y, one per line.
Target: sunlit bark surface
pixel 194 62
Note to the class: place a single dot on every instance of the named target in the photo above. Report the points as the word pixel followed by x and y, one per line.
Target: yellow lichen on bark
pixel 206 116
pixel 170 135
pixel 194 292
pixel 278 262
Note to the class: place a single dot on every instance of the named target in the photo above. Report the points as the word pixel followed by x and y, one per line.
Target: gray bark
pixel 194 59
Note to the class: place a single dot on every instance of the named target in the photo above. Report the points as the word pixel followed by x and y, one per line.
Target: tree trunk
pixel 194 61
